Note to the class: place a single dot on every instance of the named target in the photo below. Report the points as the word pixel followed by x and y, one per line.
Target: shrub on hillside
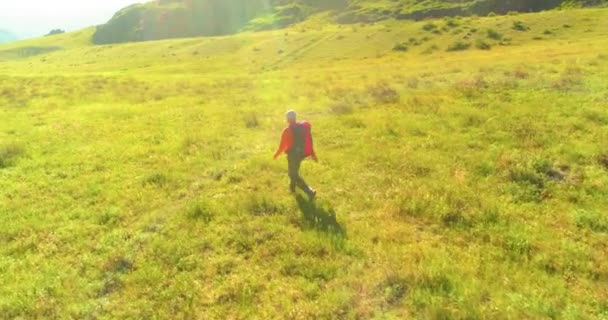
pixel 482 45
pixel 416 42
pixel 495 35
pixel 451 22
pixel 401 47
pixel 54 32
pixel 520 26
pixel 429 26
pixel 459 46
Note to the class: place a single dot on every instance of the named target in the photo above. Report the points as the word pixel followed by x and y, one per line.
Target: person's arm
pixel 284 145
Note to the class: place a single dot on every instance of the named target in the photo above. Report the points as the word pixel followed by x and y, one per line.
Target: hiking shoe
pixel 312 195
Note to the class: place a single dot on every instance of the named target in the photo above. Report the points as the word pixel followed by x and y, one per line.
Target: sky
pixel 32 18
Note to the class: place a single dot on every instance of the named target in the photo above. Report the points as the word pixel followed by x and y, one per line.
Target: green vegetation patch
pixel 482 44
pixel 520 26
pixel 9 153
pixel 459 46
pixel 403 47
pixel 591 220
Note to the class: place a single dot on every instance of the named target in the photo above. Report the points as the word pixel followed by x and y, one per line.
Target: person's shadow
pixel 320 218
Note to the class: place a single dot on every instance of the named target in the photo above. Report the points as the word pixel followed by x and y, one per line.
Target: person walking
pixel 296 142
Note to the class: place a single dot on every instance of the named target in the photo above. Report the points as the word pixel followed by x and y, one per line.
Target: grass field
pixel 463 173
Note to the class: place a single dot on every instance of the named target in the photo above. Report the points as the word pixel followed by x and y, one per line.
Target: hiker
pixel 296 142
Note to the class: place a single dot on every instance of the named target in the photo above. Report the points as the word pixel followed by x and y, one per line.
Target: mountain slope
pixel 174 18
pixel 188 18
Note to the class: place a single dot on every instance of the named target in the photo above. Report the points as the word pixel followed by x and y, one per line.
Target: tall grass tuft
pixel 570 78
pixel 251 120
pixel 262 205
pixel 383 93
pixel 9 154
pixel 591 220
pixel 472 88
pixel 201 211
pixel 157 179
pixel 340 108
pixel 394 288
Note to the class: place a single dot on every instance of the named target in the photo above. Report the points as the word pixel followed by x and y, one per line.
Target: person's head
pixel 291 116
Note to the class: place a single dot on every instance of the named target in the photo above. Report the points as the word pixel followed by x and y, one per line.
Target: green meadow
pixel 463 173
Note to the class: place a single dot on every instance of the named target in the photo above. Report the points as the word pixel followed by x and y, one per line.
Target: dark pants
pixel 293 164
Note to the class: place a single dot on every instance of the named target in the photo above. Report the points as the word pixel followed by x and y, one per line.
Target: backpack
pixel 302 139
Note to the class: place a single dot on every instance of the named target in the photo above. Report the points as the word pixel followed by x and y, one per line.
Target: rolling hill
pixel 463 172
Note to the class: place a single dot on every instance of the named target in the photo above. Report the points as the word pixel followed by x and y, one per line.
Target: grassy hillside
pixel 463 173
pixel 167 19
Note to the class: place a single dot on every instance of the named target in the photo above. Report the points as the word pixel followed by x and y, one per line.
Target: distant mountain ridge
pixel 7 36
pixel 163 19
